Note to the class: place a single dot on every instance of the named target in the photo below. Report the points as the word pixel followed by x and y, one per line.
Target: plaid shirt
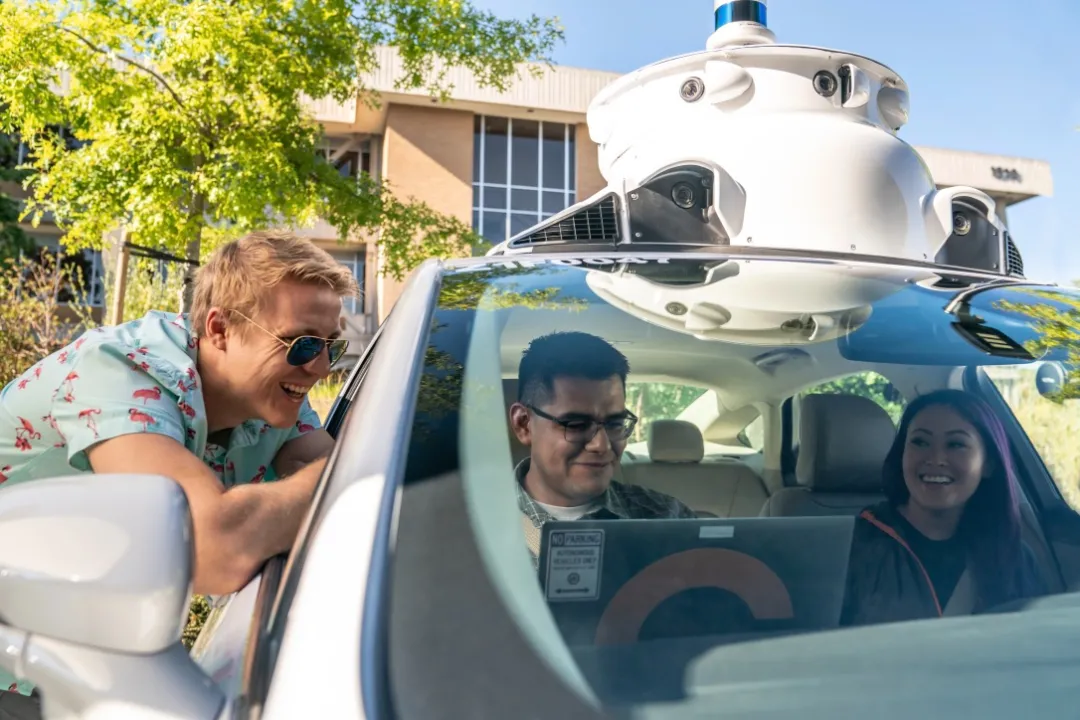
pixel 619 502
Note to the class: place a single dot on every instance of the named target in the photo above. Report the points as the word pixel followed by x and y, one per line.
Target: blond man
pixel 216 401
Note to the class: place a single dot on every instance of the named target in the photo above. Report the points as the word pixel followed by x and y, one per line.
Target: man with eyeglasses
pixel 216 401
pixel 571 413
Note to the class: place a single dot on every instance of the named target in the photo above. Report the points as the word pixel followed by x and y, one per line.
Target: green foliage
pixel 658 401
pixel 35 321
pixel 197 612
pixel 151 286
pixel 322 396
pixel 491 288
pixel 1055 316
pixel 868 385
pixel 192 118
pixel 13 241
pixel 1051 425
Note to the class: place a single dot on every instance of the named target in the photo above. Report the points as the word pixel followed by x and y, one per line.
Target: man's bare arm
pixel 235 531
pixel 302 451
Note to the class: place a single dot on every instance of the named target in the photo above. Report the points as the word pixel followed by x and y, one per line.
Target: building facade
pixel 504 161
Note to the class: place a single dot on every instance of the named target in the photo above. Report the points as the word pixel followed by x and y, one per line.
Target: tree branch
pixel 129 61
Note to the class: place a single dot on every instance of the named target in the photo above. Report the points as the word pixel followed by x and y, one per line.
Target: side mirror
pixel 95 581
pixel 1050 379
pixel 1058 381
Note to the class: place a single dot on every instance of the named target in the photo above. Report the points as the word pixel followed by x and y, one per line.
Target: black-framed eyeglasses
pixel 302 350
pixel 583 429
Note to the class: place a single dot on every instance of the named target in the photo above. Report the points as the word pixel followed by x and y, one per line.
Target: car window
pixel 867 384
pixel 1051 421
pixel 652 401
pixel 593 582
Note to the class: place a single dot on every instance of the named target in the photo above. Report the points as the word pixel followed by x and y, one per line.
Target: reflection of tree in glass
pixel 483 289
pixel 440 386
pixel 1055 316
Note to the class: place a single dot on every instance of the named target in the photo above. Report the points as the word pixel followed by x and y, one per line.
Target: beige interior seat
pixel 723 487
pixel 843 441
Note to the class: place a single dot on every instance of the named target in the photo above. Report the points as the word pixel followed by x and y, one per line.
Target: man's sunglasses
pixel 302 350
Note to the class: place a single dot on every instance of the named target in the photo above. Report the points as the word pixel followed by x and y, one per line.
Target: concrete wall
pixel 427 154
pixel 589 179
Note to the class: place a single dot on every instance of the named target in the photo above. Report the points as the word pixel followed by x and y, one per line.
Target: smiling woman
pixel 947 540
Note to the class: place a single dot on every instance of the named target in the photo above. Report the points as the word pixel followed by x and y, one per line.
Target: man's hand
pixel 235 531
pixel 302 451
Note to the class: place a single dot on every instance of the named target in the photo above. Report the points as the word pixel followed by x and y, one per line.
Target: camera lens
pixel 683 195
pixel 961 224
pixel 692 89
pixel 825 83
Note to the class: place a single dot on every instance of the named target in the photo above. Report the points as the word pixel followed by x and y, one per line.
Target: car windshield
pixel 746 485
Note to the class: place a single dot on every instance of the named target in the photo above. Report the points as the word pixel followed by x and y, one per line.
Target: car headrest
pixel 675 441
pixel 843 441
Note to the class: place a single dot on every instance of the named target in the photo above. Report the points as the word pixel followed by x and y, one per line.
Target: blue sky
pixel 990 76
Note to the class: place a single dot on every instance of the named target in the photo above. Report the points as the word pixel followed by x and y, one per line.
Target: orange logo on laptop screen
pixel 745 576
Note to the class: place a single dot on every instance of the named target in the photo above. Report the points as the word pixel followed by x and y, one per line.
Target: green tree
pixel 869 385
pixel 13 241
pixel 1054 315
pixel 658 401
pixel 191 118
pixel 492 288
pixel 486 289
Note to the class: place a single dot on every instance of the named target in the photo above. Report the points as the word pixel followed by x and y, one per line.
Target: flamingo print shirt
pixel 136 377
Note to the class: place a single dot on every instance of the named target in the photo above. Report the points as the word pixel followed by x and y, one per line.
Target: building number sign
pixel 1008 174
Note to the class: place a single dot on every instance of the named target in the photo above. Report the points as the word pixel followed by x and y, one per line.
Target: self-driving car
pixel 779 279
pixel 766 389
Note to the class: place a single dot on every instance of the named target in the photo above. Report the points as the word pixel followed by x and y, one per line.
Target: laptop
pixel 623 581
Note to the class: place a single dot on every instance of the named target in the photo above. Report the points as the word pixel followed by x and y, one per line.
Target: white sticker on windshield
pixel 573 565
pixel 714 532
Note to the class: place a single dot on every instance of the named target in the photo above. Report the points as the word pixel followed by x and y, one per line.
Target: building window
pixel 355 262
pixel 14 152
pixel 90 271
pixel 350 155
pixel 523 172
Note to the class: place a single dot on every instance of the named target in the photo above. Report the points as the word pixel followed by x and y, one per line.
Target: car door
pixel 298 656
pixel 235 621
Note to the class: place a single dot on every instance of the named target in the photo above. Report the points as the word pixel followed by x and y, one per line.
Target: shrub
pixel 42 309
pixel 151 285
pixel 197 613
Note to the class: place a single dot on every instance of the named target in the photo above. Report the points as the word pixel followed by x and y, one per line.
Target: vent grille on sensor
pixel 598 223
pixel 1014 264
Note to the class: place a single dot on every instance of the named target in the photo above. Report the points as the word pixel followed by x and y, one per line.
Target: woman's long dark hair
pixel 990 523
